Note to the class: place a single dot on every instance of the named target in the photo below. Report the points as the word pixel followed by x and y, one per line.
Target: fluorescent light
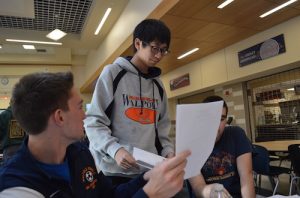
pixel 30 41
pixel 31 47
pixel 56 34
pixel 291 89
pixel 277 8
pixel 0 46
pixel 187 53
pixel 102 21
pixel 225 3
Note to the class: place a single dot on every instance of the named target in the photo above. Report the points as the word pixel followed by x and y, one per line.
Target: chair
pixel 294 153
pixel 261 166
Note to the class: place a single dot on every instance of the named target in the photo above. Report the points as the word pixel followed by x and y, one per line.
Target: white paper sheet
pixel 196 130
pixel 146 159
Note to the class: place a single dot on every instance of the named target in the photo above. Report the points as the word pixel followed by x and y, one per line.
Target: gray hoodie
pixel 124 117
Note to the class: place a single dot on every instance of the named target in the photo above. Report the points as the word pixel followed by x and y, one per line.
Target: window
pixel 274 103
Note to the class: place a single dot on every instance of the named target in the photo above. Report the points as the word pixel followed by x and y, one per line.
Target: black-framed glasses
pixel 155 49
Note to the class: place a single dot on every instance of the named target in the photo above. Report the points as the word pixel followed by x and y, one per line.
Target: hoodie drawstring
pixel 153 99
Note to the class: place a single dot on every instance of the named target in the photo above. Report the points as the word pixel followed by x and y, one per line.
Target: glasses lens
pixel 156 50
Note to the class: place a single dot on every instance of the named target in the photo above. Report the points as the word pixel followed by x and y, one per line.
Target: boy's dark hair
pixel 215 99
pixel 152 30
pixel 38 95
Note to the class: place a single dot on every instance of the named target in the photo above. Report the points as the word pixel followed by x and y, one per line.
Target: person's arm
pixel 20 192
pixel 201 189
pixel 97 123
pixel 244 162
pixel 244 166
pixel 133 188
pixel 125 160
pixel 166 179
pixel 163 128
pixel 198 185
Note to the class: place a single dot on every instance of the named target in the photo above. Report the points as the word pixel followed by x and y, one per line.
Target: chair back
pixel 294 153
pixel 260 160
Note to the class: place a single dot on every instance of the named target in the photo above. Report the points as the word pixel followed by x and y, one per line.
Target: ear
pixel 58 117
pixel 137 43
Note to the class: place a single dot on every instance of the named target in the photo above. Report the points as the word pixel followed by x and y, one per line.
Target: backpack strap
pixel 158 144
pixel 116 81
pixel 160 89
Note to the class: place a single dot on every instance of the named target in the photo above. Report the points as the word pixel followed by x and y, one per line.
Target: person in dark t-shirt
pixel 229 167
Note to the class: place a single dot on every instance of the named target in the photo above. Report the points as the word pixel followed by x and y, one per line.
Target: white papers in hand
pixel 196 130
pixel 146 159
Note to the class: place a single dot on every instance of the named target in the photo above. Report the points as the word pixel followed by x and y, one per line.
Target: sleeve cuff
pixel 166 151
pixel 113 149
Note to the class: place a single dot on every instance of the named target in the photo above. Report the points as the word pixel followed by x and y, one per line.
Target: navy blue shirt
pixel 221 165
pixel 23 170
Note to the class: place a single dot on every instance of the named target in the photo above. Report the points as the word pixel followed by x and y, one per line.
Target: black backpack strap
pixel 116 81
pixel 160 89
pixel 158 144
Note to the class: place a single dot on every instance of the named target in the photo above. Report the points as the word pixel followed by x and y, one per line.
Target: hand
pixel 170 155
pixel 218 190
pixel 166 179
pixel 124 159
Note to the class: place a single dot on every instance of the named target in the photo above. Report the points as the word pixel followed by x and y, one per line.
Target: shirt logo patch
pixel 88 177
pixel 143 116
pixel 15 131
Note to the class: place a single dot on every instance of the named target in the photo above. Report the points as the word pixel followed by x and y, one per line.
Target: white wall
pixel 15 72
pixel 222 66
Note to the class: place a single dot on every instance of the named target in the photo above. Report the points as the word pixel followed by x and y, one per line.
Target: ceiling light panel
pixel 225 3
pixel 102 21
pixel 56 34
pixel 277 8
pixel 188 53
pixel 66 15
pixel 30 47
pixel 31 41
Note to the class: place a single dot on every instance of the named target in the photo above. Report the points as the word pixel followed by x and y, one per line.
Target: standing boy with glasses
pixel 129 106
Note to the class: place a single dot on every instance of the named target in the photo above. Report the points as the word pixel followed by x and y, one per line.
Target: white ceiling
pixel 79 18
pixel 17 8
pixel 191 22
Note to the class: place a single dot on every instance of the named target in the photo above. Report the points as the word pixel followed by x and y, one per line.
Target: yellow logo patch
pixel 15 131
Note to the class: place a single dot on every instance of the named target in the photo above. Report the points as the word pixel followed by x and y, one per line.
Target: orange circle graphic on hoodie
pixel 143 116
